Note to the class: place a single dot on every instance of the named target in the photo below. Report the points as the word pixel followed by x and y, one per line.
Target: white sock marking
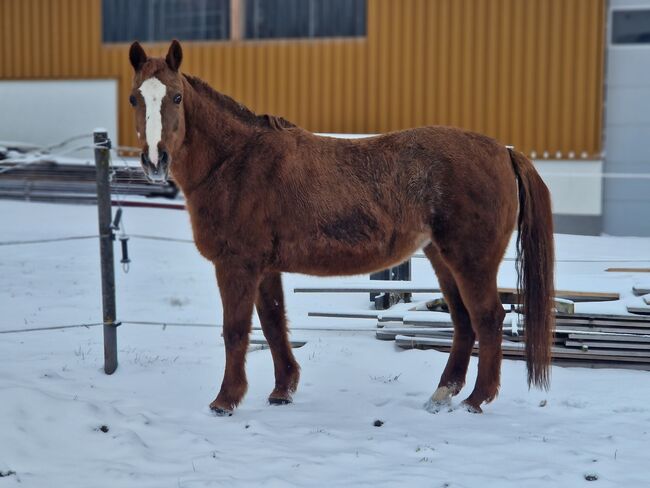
pixel 153 91
pixel 442 394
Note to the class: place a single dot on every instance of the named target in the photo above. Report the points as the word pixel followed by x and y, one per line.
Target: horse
pixel 267 197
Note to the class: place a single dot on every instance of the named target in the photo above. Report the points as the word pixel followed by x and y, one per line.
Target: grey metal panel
pixel 628 3
pixel 626 219
pixel 628 66
pixel 628 105
pixel 627 145
pixel 626 201
pixel 629 190
pixel 586 225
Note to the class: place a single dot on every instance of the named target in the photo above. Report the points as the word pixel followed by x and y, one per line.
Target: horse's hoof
pixel 435 406
pixel 441 399
pixel 471 408
pixel 220 411
pixel 280 401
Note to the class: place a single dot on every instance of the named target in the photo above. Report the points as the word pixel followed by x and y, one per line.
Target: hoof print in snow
pixel 102 428
pixel 279 401
pixel 9 472
pixel 591 477
pixel 378 423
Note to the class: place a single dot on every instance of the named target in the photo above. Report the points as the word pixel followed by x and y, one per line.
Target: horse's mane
pixel 237 109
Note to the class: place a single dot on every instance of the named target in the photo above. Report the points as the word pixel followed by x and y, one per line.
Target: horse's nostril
pixel 164 157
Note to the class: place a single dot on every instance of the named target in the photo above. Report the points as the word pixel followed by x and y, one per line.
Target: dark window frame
pixel 120 21
pixel 320 16
pixel 623 32
pixel 156 21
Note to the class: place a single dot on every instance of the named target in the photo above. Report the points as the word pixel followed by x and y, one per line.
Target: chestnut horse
pixel 267 197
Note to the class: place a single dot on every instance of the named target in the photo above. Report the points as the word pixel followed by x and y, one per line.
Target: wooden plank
pixel 641 289
pixel 584 323
pixel 357 314
pixel 638 310
pixel 604 330
pixel 384 286
pixel 601 318
pixel 377 286
pixel 518 350
pixel 560 304
pixel 563 305
pixel 390 333
pixel 591 345
pixel 628 270
pixel 611 337
pixel 561 326
pixel 261 341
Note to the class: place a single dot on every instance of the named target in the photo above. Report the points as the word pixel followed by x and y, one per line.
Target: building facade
pixel 529 73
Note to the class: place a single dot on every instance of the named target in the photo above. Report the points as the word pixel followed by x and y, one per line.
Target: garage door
pixel 47 112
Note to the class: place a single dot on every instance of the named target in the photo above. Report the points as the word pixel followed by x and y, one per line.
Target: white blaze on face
pixel 153 91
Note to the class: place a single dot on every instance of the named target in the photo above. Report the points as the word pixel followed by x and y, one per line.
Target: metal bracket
pixel 104 144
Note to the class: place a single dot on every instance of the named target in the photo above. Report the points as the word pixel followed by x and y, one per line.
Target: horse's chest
pixel 216 235
pixel 208 231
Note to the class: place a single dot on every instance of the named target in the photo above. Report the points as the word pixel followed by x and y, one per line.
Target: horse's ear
pixel 174 55
pixel 137 56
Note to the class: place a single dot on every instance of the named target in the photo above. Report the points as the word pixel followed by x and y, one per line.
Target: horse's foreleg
pixel 238 288
pixel 270 308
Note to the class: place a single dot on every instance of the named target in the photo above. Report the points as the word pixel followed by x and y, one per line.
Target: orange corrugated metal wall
pixel 529 73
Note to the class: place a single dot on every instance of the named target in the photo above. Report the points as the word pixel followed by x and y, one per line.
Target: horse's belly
pixel 330 258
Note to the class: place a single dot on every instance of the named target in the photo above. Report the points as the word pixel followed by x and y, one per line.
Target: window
pixel 631 27
pixel 278 19
pixel 190 20
pixel 163 20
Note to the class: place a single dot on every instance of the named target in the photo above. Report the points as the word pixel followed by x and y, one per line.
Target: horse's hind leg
pixel 270 308
pixel 453 377
pixel 480 295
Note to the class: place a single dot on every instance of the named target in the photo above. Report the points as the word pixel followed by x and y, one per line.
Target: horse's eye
pixel 177 99
pixel 132 100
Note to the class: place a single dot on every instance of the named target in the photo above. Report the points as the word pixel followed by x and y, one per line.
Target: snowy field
pixel 63 423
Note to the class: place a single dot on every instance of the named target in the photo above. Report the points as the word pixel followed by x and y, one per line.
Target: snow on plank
pixel 517 350
pixel 638 310
pixel 387 286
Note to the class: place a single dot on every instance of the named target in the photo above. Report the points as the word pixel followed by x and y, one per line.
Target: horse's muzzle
pixel 156 173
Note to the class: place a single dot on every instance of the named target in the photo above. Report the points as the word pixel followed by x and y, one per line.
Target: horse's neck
pixel 212 135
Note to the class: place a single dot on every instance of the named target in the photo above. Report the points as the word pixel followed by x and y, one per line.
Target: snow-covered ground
pixel 55 398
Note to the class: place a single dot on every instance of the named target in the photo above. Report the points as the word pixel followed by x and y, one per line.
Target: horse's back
pixel 370 202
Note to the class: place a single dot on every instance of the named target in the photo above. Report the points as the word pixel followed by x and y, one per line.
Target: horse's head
pixel 157 99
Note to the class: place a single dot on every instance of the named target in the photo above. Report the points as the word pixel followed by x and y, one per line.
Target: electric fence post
pixel 102 145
